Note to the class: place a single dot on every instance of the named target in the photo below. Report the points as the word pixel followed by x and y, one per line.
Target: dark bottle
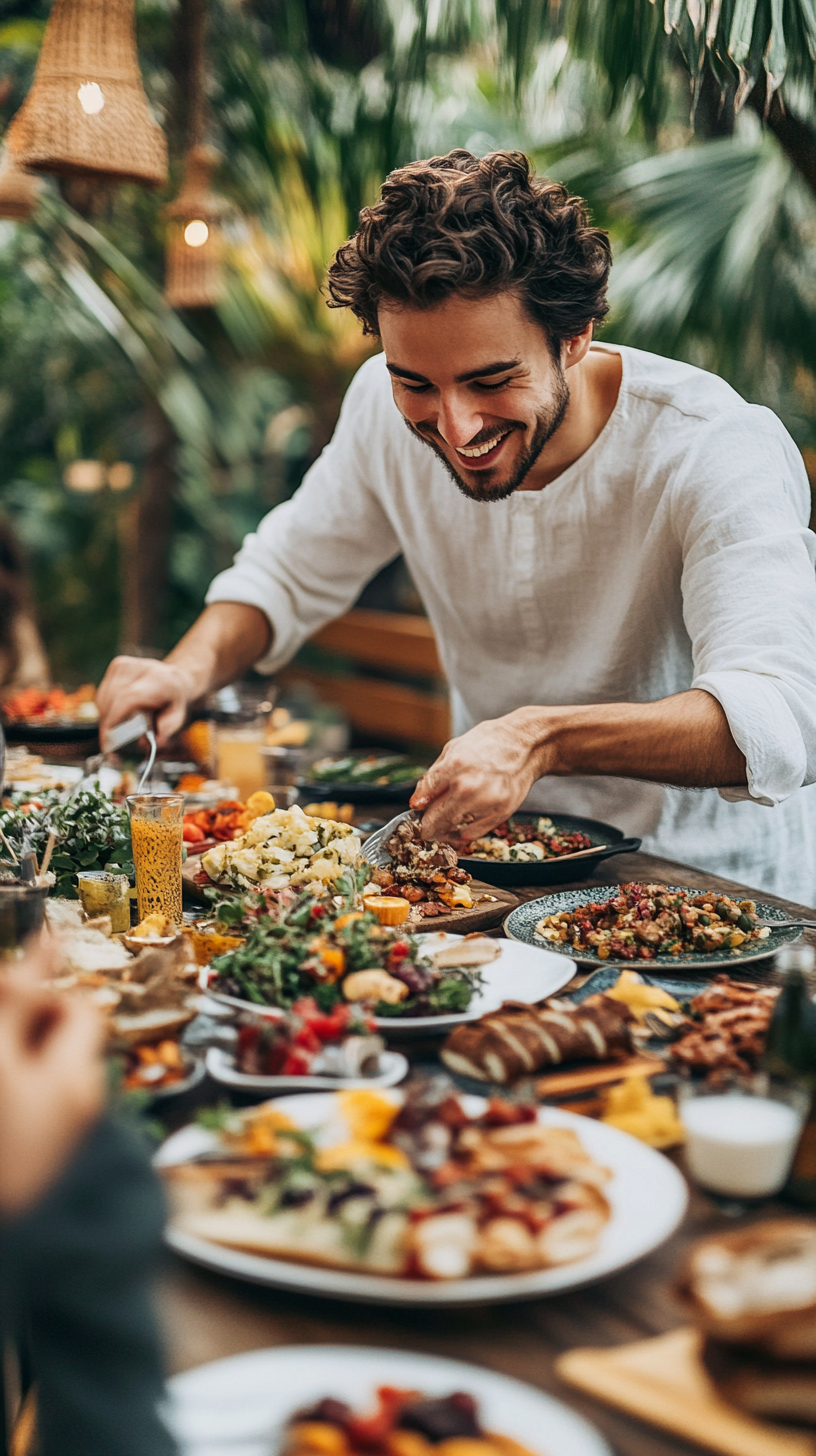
pixel 790 1055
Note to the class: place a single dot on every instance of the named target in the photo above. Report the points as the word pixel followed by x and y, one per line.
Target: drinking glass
pixel 239 756
pixel 156 830
pixel 105 893
pixel 741 1135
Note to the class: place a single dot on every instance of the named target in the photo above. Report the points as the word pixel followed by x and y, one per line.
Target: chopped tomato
pixel 296 1065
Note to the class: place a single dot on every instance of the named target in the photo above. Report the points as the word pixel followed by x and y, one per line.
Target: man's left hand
pixel 478 780
pixel 482 777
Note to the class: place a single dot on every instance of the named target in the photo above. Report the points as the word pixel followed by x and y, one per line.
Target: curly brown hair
pixel 463 224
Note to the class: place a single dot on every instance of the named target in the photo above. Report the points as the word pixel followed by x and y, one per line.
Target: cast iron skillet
pixel 507 873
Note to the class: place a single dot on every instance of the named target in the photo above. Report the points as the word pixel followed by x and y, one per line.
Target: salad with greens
pixel 92 832
pixel 371 768
pixel 334 954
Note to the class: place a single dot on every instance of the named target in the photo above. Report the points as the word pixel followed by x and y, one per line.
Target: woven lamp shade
pixel 194 277
pixel 86 113
pixel 18 190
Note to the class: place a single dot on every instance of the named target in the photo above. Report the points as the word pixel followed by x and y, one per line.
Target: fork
pixel 787 924
pixel 374 848
pixel 138 726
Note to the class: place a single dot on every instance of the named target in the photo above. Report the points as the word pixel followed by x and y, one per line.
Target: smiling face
pixel 475 379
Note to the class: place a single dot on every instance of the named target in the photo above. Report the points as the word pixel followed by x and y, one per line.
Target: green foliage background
pixel 312 102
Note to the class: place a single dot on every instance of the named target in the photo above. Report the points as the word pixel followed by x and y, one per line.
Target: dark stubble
pixel 547 422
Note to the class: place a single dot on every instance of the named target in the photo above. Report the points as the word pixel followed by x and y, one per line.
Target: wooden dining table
pixel 206 1316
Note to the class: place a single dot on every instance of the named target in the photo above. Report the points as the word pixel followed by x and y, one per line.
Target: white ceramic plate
pixel 239 1407
pixel 519 973
pixel 221 1067
pixel 647 1194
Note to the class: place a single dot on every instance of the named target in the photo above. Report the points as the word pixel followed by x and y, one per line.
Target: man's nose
pixel 458 421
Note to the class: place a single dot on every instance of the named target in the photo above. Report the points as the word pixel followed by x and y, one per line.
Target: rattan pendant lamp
pixel 193 274
pixel 87 114
pixel 18 190
pixel 194 277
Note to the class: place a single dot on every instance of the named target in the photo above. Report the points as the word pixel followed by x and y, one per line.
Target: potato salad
pixel 286 847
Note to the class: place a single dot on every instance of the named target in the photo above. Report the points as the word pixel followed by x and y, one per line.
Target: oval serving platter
pixel 521 925
pixel 221 1066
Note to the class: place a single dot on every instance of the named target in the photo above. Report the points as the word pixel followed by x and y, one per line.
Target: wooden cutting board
pixel 663 1381
pixel 492 904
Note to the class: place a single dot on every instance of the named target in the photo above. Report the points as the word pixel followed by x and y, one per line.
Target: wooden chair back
pixel 403 698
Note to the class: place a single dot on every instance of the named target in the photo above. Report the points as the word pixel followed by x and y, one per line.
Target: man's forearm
pixel 683 740
pixel 226 639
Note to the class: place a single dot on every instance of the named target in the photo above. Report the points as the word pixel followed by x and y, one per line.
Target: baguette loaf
pixel 520 1039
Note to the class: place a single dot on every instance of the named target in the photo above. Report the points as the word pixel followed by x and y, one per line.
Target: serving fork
pixel 139 726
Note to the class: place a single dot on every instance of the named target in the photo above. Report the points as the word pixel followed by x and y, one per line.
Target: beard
pixel 547 421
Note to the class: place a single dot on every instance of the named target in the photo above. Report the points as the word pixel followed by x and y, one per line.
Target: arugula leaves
pixel 93 833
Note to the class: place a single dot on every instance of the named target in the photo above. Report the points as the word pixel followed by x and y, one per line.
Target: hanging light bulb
pixel 91 98
pixel 18 190
pixel 87 114
pixel 194 243
pixel 196 233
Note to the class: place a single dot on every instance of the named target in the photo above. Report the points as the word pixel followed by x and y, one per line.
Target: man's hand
pixel 227 639
pixel 141 684
pixel 478 780
pixel 52 1078
pixel 483 776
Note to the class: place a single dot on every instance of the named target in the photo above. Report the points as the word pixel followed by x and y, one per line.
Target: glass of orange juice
pixel 156 829
pixel 239 756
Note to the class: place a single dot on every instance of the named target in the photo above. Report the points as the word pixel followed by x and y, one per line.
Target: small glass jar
pixel 105 893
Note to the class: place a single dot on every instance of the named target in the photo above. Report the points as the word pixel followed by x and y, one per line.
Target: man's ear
pixel 574 350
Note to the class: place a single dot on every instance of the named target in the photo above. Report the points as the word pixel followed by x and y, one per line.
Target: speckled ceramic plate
pixel 521 925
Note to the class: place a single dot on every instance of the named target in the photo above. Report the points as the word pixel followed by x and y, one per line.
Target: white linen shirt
pixel 673 554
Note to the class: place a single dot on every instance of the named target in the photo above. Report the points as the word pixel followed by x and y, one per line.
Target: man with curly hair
pixel 621 582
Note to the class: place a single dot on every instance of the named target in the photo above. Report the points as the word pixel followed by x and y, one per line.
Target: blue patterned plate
pixel 521 925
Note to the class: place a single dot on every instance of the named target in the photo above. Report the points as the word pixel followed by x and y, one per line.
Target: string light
pixel 120 475
pixel 84 476
pixel 196 233
pixel 91 98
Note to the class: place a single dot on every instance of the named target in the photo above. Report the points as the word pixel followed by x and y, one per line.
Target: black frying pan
pixel 507 873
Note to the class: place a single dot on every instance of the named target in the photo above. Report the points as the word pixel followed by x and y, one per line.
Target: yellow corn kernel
pixel 408 1443
pixel 318 1436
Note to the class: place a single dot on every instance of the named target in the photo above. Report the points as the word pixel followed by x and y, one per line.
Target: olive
pixel 705 920
pixel 745 924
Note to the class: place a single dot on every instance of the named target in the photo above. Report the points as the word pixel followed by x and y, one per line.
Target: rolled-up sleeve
pixel 310 557
pixel 749 597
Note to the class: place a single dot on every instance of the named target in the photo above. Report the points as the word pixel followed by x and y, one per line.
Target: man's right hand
pixel 142 684
pixel 227 639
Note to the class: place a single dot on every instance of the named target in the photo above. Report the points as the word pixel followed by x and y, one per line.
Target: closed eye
pixel 476 383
